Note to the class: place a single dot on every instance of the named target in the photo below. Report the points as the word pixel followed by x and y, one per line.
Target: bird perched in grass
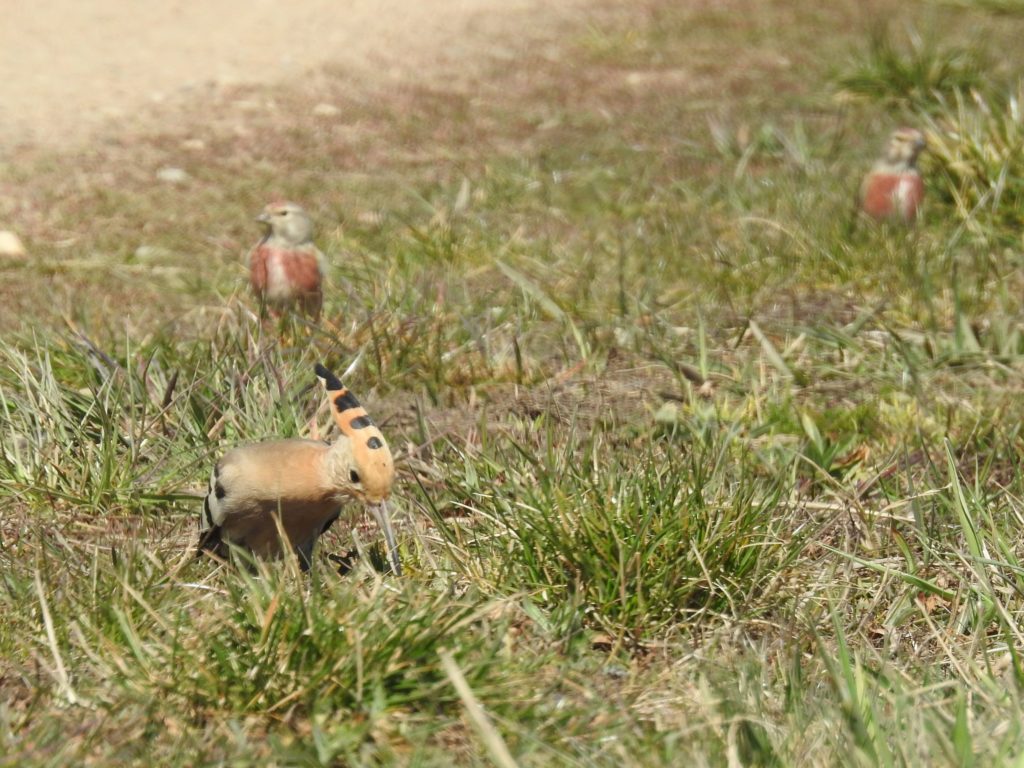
pixel 296 487
pixel 893 189
pixel 285 268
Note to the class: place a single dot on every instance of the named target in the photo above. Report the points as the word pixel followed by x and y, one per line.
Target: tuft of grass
pixel 911 73
pixel 978 146
pixel 1005 7
pixel 671 534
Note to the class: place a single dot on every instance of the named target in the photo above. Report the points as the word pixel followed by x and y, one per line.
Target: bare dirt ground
pixel 71 72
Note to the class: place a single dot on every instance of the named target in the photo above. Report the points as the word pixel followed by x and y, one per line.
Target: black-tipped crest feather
pixel 346 401
pixel 331 381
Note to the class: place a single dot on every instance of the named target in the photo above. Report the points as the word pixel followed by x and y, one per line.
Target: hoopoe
pixel 299 486
pixel 285 267
pixel 893 189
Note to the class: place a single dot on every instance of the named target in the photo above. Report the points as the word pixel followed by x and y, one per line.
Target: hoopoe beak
pixel 383 517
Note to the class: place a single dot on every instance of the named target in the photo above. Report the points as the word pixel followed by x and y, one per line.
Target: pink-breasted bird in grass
pixel 893 189
pixel 286 269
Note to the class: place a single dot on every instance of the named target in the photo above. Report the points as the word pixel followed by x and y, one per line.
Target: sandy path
pixel 72 68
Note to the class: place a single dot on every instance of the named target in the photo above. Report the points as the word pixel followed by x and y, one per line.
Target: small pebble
pixel 151 253
pixel 326 110
pixel 172 175
pixel 370 218
pixel 11 246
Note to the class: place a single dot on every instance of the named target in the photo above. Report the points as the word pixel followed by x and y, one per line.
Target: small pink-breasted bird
pixel 285 268
pixel 893 189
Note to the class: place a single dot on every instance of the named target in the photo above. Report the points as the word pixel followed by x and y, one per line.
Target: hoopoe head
pixel 905 144
pixel 288 223
pixel 362 465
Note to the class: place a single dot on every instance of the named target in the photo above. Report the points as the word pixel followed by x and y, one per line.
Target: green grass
pixel 1009 7
pixel 695 466
pixel 913 73
pixel 978 144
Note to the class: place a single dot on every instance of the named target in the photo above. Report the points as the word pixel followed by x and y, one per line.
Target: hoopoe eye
pixel 353 476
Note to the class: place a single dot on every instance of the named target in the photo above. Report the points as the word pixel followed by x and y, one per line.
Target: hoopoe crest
pixel 299 485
